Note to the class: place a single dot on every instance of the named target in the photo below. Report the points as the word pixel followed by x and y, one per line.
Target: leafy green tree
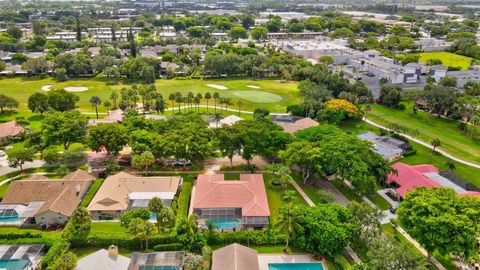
pixel 156 205
pixel 305 155
pixel 166 218
pixel 438 220
pixel 65 261
pixel 107 105
pixel 36 66
pixel 274 25
pixel 114 98
pixel 259 33
pixel 325 196
pixel 7 102
pixel 65 128
pixel 228 142
pixel 61 74
pixel 326 229
pixel 19 58
pixel 143 160
pixel 17 158
pixel 79 225
pixel 38 102
pixel 95 101
pixel 51 155
pixel 61 100
pixel 142 229
pixel 14 32
pixel 112 136
pixel 237 32
pixel 287 223
pixel 435 143
pixel 74 157
pixel 128 216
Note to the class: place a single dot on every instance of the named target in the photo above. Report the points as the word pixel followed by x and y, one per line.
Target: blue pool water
pixel 225 223
pixel 295 266
pixel 146 267
pixel 153 218
pixel 13 264
pixel 10 219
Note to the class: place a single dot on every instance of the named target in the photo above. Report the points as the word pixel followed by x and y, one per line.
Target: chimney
pixel 77 189
pixel 113 251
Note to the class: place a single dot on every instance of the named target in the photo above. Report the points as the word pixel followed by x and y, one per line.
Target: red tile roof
pixel 11 128
pixel 212 191
pixel 411 177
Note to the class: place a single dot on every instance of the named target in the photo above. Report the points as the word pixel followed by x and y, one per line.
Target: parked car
pixel 393 209
pixel 182 162
pixel 370 74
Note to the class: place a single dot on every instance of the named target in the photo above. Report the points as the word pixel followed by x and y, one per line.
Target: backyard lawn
pixel 424 155
pixel 430 127
pixel 448 59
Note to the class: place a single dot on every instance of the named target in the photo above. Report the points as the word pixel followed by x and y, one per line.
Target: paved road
pixel 468 163
pixel 28 165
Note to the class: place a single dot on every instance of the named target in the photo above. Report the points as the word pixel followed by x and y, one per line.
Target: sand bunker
pixel 46 88
pixel 216 86
pixel 253 86
pixel 76 89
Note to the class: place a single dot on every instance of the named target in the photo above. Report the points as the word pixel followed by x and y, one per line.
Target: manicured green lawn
pixel 310 190
pixel 423 156
pixel 272 95
pixel 430 127
pixel 346 191
pixel 3 189
pixel 45 234
pixel 275 201
pixel 110 228
pixel 379 201
pixel 447 58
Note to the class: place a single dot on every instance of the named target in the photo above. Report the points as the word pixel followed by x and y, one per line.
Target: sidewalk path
pixel 468 163
pixel 302 193
pixel 220 109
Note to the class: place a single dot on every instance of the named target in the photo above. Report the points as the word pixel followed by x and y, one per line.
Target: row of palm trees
pixel 191 102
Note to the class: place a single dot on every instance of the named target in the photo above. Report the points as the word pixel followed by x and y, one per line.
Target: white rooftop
pixel 101 260
pixel 151 195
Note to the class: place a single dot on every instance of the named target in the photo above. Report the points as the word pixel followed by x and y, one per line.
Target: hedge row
pixel 261 237
pixel 127 241
pixel 19 235
pixel 58 248
pixel 168 247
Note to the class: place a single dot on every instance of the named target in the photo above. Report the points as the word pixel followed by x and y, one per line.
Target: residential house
pixel 157 260
pixel 432 44
pixel 42 201
pixel 122 192
pixel 292 124
pixel 9 130
pixel 408 177
pixel 104 259
pixel 114 117
pixel 438 72
pixel 389 148
pixel 235 257
pixel 229 120
pixel 240 204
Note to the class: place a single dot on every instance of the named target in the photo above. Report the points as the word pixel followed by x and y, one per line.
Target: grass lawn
pixel 45 234
pixel 448 59
pixel 91 192
pixel 310 190
pixel 3 189
pixel 346 191
pixel 271 94
pixel 430 127
pixel 379 201
pixel 111 228
pixel 275 201
pixel 423 155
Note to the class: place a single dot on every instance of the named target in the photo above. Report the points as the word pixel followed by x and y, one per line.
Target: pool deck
pixel 265 259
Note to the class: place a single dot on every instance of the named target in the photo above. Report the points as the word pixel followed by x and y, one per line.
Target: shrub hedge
pixel 263 237
pixel 19 235
pixel 168 247
pixel 57 249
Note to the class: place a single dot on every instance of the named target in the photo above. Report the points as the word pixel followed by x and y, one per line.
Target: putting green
pixel 258 96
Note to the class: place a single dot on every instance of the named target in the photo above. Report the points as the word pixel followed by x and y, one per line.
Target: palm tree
pixel 114 97
pixel 435 143
pixel 178 99
pixel 192 224
pixel 190 97
pixel 239 104
pixel 137 227
pixel 287 222
pixel 450 166
pixel 166 218
pixel 95 101
pixel 199 97
pixel 222 100
pixel 156 205
pixel 207 96
pixel 107 105
pixel 227 101
pixel 196 100
pixel 171 97
pixel 216 96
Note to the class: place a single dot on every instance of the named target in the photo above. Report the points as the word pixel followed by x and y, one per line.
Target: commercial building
pixel 238 204
pixel 123 191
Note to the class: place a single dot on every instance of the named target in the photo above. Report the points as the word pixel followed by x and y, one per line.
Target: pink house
pixel 231 204
pixel 410 177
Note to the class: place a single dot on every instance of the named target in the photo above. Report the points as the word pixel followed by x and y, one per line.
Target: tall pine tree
pixel 133 46
pixel 79 31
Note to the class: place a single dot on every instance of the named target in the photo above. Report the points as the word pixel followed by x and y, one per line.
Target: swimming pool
pixel 149 267
pixel 10 219
pixel 225 223
pixel 14 264
pixel 295 266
